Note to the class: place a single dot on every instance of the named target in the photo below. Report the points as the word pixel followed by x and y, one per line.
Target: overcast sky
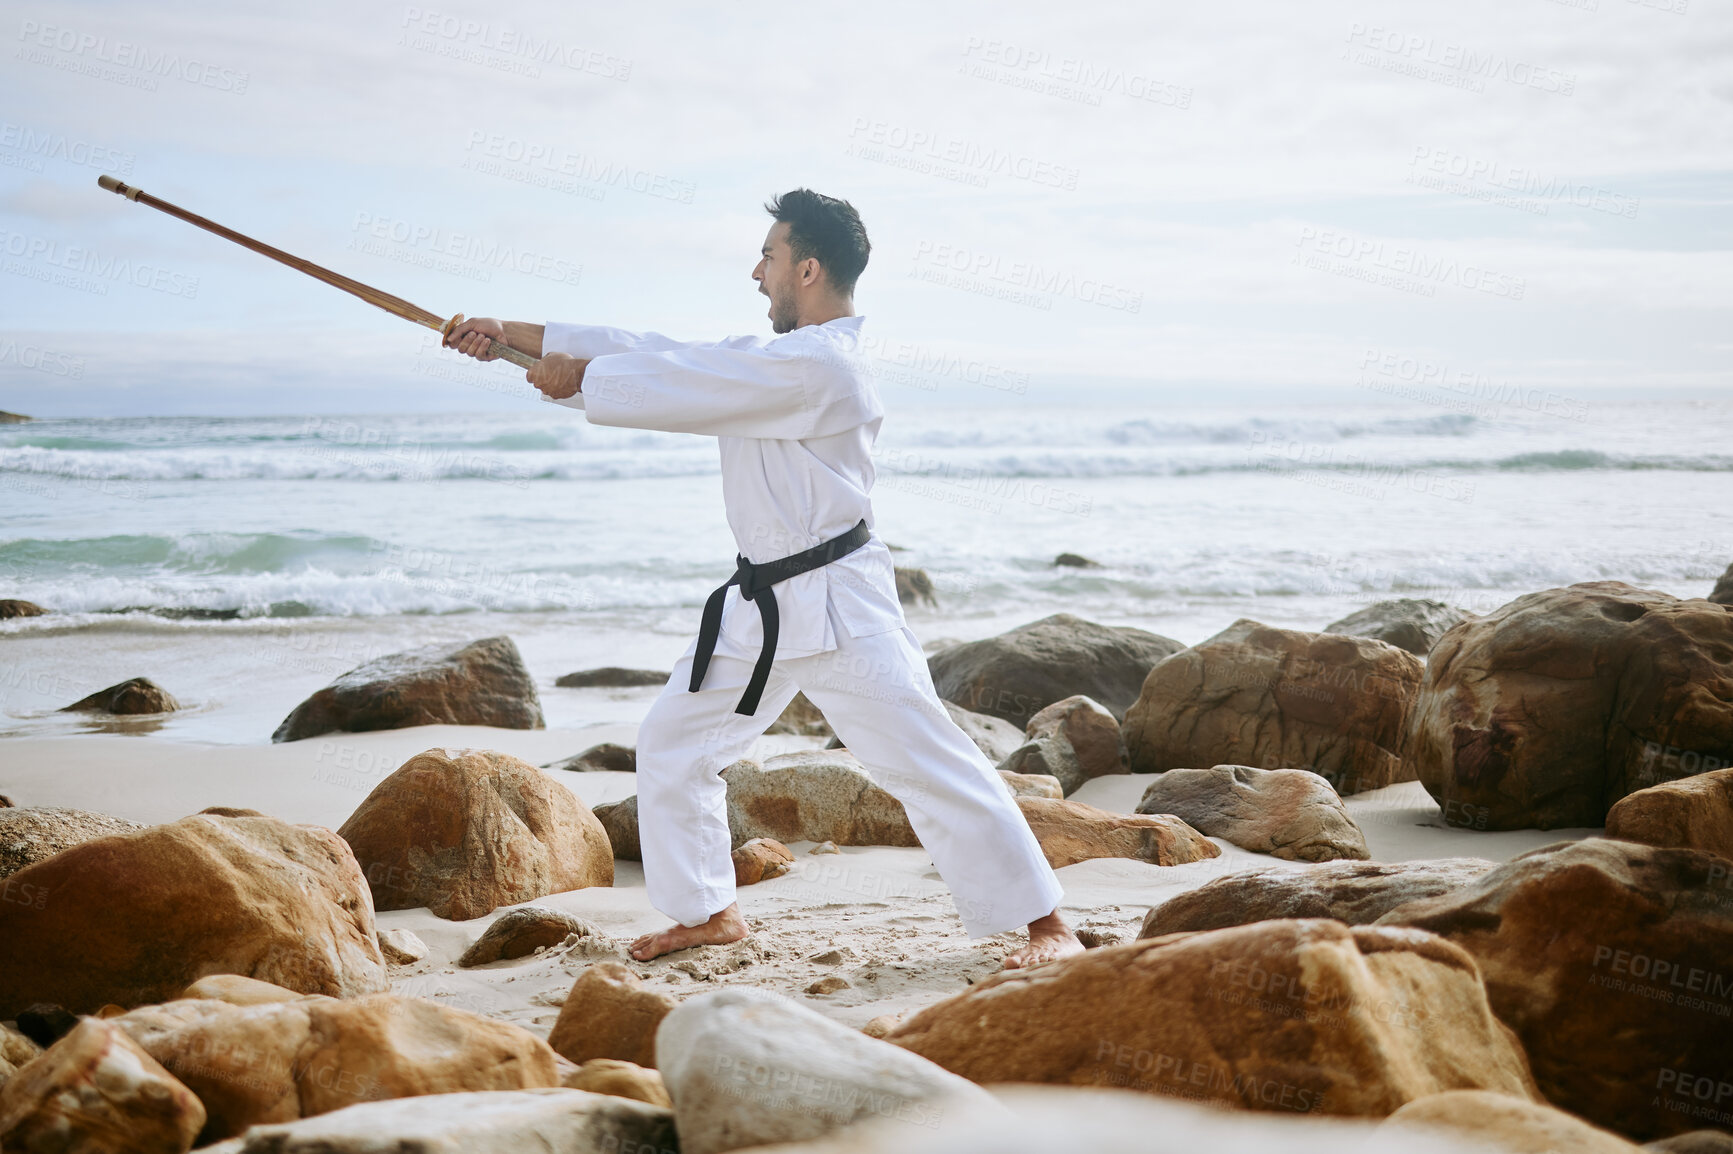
pixel 1100 199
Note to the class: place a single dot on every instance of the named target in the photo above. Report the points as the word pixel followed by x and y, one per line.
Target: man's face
pixel 777 278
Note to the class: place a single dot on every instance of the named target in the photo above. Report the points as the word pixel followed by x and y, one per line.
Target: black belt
pixel 755 582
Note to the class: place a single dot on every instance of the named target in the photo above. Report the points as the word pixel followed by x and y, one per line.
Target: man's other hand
pixel 475 337
pixel 557 375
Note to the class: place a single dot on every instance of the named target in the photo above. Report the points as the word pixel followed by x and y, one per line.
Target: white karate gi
pixel 796 418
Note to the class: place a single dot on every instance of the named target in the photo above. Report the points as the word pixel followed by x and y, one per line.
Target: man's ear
pixel 810 271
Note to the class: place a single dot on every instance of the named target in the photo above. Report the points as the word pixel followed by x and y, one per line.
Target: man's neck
pixel 825 313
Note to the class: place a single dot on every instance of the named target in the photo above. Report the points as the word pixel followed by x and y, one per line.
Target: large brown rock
pixel 463 832
pixel 12 607
pixel 1279 699
pixel 1548 710
pixel 97 1091
pixel 1287 813
pixel 481 683
pixel 1410 623
pixel 137 695
pixel 1074 740
pixel 28 834
pixel 822 795
pixel 621 1079
pixel 1304 1016
pixel 812 795
pixel 609 1013
pixel 801 717
pixel 135 917
pixel 620 821
pixel 1505 1124
pixel 1015 674
pixel 1610 960
pixel 1353 892
pixel 1696 812
pixel 280 1061
pixel 1070 832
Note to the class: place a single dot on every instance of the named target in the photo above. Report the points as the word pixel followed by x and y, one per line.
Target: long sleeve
pixel 794 388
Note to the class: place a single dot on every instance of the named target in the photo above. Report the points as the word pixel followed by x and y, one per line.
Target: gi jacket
pixel 795 419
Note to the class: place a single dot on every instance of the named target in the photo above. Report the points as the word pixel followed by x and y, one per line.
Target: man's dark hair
pixel 827 229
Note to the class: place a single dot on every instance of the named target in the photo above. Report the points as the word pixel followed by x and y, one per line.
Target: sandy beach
pixel 883 908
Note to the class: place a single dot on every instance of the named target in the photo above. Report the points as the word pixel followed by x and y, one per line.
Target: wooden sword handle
pixel 498 348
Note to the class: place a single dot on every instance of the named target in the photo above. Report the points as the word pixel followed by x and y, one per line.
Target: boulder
pixel 1410 623
pixel 135 917
pixel 239 991
pixel 137 695
pixel 521 932
pixel 606 757
pixel 1279 699
pixel 29 834
pixel 1074 561
pixel 746 1067
pixel 490 1122
pixel 481 683
pixel 1070 832
pixel 1308 1015
pixel 609 1013
pixel 801 717
pixel 622 1079
pixel 822 795
pixel 814 795
pixel 1032 784
pixel 620 822
pixel 1610 961
pixel 96 1091
pixel 914 587
pixel 11 607
pixel 401 947
pixel 1546 711
pixel 16 1051
pixel 1503 1123
pixel 611 677
pixel 1287 813
pixel 1015 674
pixel 279 1061
pixel 1695 812
pixel 1722 594
pixel 1354 892
pixel 465 831
pixel 759 860
pixel 1693 1142
pixel 1074 740
pixel 996 738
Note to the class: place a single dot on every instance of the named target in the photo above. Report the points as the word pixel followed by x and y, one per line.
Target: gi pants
pixel 878 696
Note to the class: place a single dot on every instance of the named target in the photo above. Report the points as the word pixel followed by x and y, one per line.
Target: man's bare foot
pixel 1049 940
pixel 723 927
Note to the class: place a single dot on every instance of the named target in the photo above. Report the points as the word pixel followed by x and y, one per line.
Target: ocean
pixel 243 562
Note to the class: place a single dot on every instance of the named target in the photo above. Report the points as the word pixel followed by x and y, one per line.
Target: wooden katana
pixel 396 306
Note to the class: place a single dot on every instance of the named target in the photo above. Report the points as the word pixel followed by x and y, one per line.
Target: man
pixel 813 605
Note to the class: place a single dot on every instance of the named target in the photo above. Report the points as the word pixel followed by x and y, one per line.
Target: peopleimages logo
pixel 92 49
